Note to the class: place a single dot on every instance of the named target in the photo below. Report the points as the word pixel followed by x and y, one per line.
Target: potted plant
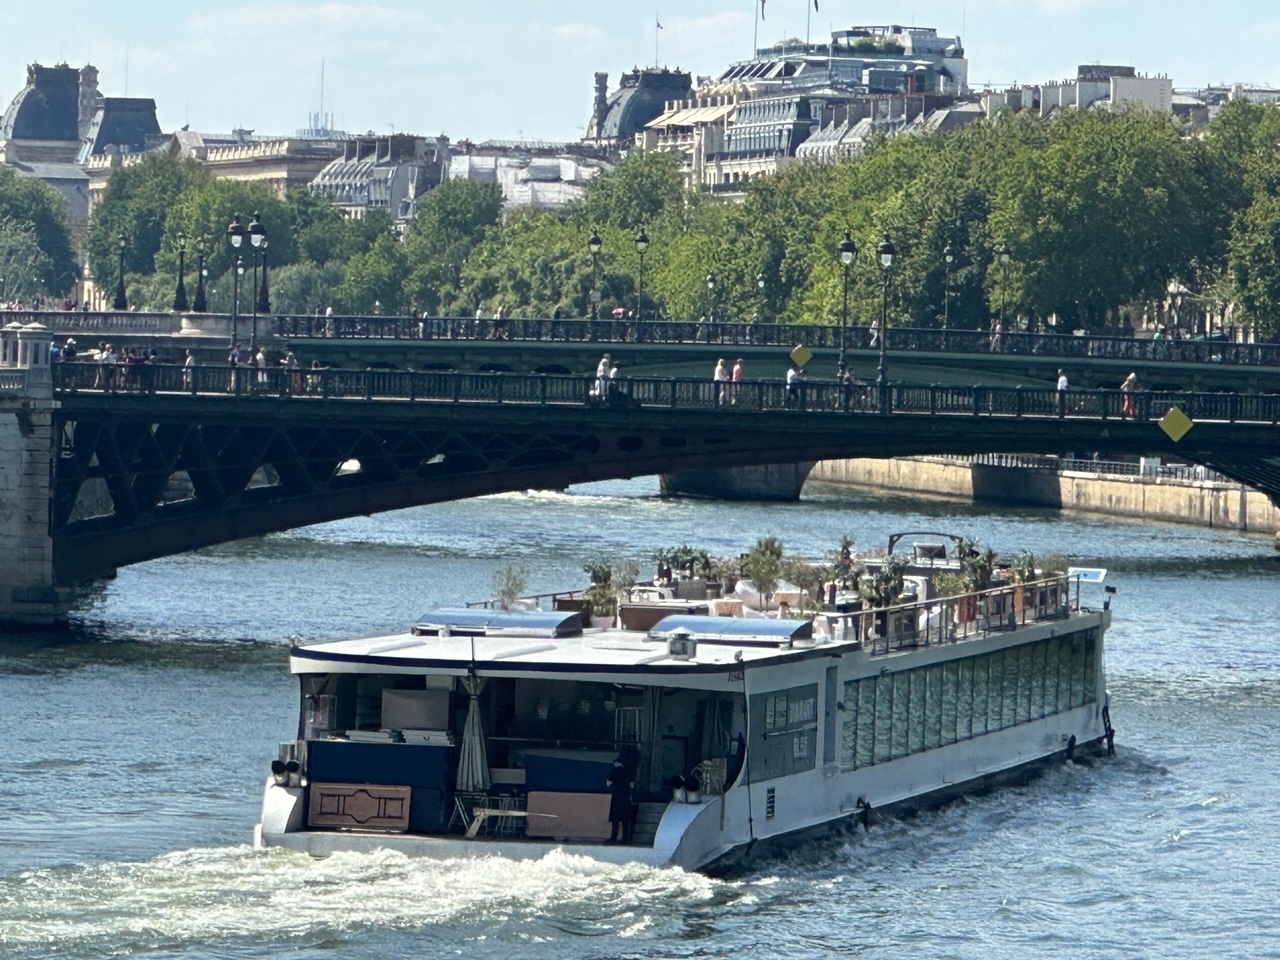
pixel 763 566
pixel 509 582
pixel 728 571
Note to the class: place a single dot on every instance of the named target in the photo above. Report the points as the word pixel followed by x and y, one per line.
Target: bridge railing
pixel 826 337
pixel 672 393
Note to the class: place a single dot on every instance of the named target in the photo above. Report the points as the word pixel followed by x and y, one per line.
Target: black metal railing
pixel 654 392
pixel 723 332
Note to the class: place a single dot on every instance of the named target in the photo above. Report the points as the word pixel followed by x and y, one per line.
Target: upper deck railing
pixel 780 335
pixel 730 399
pixel 954 619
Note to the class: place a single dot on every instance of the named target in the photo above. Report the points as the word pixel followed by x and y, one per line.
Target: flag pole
pixel 657 25
pixel 808 17
pixel 755 37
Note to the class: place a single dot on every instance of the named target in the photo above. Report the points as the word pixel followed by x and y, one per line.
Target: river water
pixel 136 744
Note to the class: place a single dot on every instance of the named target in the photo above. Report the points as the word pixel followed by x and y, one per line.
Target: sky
pixel 508 69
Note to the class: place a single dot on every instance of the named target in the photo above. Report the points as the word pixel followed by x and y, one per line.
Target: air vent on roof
pixel 682 645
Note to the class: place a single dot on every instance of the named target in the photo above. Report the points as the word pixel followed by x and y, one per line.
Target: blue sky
pixel 508 68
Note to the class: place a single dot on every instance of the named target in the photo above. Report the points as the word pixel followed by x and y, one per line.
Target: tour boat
pixel 490 732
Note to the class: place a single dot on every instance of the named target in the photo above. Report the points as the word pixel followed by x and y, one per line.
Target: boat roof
pixel 491 641
pixel 483 621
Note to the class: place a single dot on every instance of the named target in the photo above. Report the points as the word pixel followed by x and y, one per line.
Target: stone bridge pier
pixel 28 595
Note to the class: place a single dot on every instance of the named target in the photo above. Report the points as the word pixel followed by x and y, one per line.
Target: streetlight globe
pixel 848 249
pixel 642 241
pixel 257 232
pixel 1003 253
pixel 120 242
pixel 760 280
pixel 711 281
pixel 887 251
pixel 594 244
pixel 235 232
pixel 947 254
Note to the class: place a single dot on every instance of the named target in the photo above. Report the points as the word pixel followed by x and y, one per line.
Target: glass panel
pixel 1077 669
pixel 933 706
pixel 1026 673
pixel 1053 664
pixel 981 684
pixel 884 716
pixel 901 703
pixel 964 700
pixel 995 690
pixel 1037 680
pixel 1009 708
pixel 950 681
pixel 849 732
pixel 915 731
pixel 866 739
pixel 1091 667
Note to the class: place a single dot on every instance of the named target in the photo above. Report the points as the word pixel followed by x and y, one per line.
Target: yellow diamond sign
pixel 801 355
pixel 1176 424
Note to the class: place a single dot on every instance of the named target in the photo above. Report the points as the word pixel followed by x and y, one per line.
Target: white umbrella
pixel 473 760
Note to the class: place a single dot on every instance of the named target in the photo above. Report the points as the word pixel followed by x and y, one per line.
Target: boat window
pixel 784 726
pixel 893 715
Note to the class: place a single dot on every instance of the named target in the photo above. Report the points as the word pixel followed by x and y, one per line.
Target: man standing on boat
pixel 620 785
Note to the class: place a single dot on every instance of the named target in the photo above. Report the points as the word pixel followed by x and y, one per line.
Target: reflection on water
pixel 137 746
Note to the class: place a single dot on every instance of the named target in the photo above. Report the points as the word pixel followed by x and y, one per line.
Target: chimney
pixel 89 98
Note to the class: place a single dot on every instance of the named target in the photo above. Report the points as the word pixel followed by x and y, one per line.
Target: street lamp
pixel 886 251
pixel 1003 254
pixel 594 245
pixel 642 244
pixel 201 303
pixel 848 251
pixel 257 237
pixel 948 258
pixel 121 301
pixel 235 236
pixel 180 295
pixel 264 291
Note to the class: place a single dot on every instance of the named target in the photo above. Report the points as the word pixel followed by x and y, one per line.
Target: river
pixel 136 745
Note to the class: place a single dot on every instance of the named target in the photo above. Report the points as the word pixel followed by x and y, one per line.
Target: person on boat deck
pixel 620 785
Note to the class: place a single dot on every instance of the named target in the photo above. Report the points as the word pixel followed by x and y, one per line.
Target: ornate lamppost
pixel 711 303
pixel 886 251
pixel 257 236
pixel 235 237
pixel 1003 255
pixel 642 244
pixel 760 300
pixel 594 245
pixel 201 302
pixel 264 291
pixel 180 295
pixel 121 301
pixel 848 251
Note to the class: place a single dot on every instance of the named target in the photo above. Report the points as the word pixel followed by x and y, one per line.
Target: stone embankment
pixel 1146 491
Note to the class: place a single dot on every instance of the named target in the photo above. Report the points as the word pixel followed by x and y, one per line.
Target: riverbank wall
pixel 1203 502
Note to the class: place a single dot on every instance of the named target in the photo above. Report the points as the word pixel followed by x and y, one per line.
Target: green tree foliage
pixel 1101 210
pixel 35 211
pixel 22 262
pixel 136 204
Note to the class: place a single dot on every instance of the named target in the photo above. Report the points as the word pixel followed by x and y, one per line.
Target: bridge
pixel 668 348
pixel 163 459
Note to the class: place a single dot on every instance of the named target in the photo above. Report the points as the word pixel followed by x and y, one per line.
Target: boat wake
pixel 272 900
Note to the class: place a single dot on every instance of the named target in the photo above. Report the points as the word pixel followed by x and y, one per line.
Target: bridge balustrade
pixel 730 334
pixel 675 393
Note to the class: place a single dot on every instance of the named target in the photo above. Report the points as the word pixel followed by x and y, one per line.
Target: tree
pixel 375 279
pixel 22 263
pixel 637 192
pixel 136 204
pixel 763 565
pixel 38 212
